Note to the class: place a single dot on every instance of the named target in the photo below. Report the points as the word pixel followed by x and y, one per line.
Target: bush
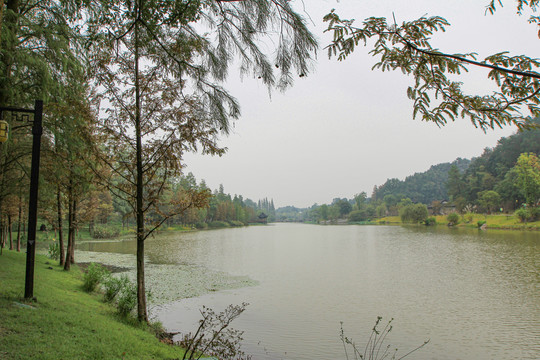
pixel 430 221
pixel 453 219
pixel 535 213
pixel 127 299
pixel 93 276
pixel 105 232
pixel 54 251
pixel 112 287
pixel 522 214
pixel 358 215
pixel 530 214
pixel 201 225
pixel 481 223
pixel 236 223
pixel 413 213
pixel 215 337
pixel 218 224
pixel 468 218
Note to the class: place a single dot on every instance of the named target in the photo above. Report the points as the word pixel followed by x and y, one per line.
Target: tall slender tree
pixel 160 65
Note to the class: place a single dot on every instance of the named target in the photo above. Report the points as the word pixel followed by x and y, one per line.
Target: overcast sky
pixel 345 128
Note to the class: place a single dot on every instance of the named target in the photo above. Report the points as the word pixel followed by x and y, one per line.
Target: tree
pixel 344 207
pixel 489 200
pixel 413 213
pixel 360 200
pixel 161 71
pixel 455 183
pixel 528 177
pixel 407 47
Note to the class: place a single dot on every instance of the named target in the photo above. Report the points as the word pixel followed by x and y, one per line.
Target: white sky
pixel 344 128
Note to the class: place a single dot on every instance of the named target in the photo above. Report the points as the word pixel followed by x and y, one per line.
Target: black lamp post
pixel 37 130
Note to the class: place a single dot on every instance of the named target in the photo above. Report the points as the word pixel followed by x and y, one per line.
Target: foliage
pixel 453 219
pixel 218 224
pixel 528 214
pixel 374 349
pixel 112 286
pixel 481 223
pixel 54 251
pixel 424 187
pixel 201 225
pixel 414 213
pixel 127 299
pixel 214 336
pixel 528 176
pixel 105 232
pixel 430 221
pixel 358 215
pixel 437 95
pixel 466 181
pixel 95 273
pixel 489 200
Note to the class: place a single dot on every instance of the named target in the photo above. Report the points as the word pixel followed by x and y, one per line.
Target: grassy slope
pixel 507 222
pixel 67 323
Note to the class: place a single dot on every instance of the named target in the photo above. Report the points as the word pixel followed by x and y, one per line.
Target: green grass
pixel 65 322
pixel 499 221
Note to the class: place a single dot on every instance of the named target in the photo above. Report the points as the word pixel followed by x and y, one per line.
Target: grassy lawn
pixel 499 221
pixel 65 322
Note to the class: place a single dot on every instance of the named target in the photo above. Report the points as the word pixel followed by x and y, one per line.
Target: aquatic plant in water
pixel 374 349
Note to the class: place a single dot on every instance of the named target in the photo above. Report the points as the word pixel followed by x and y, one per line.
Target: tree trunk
pixel 141 295
pixel 73 233
pixel 19 225
pixel 2 237
pixel 9 232
pixel 60 229
pixel 67 261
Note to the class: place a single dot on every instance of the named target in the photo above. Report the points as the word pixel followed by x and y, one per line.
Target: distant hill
pixel 495 162
pixel 422 187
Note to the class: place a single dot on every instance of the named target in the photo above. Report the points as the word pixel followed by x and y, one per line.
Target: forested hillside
pixel 424 187
pixel 503 178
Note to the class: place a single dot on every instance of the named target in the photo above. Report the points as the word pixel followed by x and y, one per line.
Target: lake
pixel 474 294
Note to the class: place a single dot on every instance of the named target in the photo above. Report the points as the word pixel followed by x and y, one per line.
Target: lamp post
pixel 37 130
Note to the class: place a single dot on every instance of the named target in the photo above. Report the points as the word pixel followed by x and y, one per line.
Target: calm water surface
pixel 474 294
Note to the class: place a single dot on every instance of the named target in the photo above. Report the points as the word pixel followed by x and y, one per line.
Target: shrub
pixel 127 299
pixel 93 276
pixel 215 337
pixel 535 213
pixel 112 287
pixel 453 219
pixel 218 224
pixel 430 221
pixel 236 223
pixel 468 218
pixel 413 213
pixel 530 214
pixel 54 251
pixel 481 223
pixel 358 215
pixel 105 232
pixel 522 214
pixel 201 225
